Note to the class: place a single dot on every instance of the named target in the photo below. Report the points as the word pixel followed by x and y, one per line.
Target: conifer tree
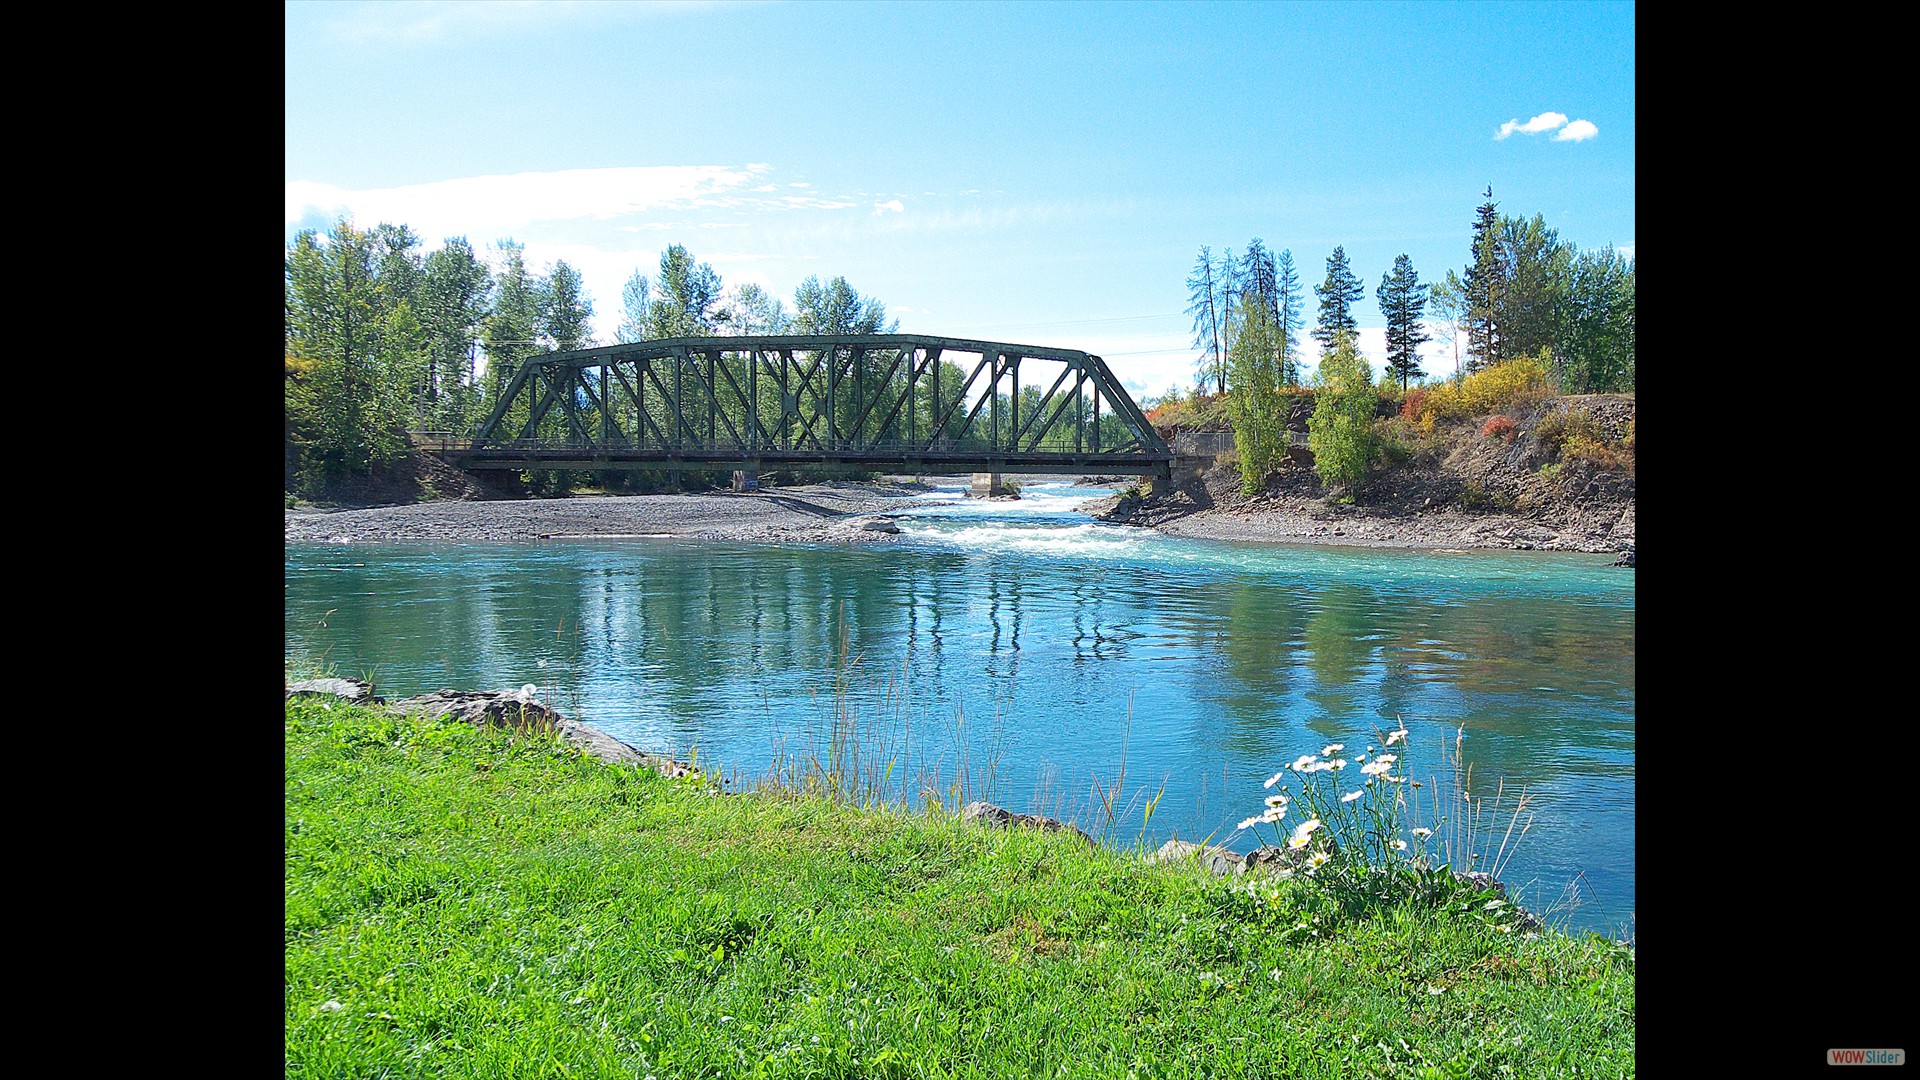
pixel 1337 296
pixel 1290 318
pixel 1403 299
pixel 1484 288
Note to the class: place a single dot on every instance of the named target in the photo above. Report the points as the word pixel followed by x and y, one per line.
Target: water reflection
pixel 1206 666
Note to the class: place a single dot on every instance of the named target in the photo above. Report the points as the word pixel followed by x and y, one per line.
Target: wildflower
pixel 529 690
pixel 1362 756
pixel 1275 778
pixel 1351 795
pixel 1388 757
pixel 1276 800
pixel 1399 845
pixel 1317 860
pixel 1377 766
pixel 1252 821
pixel 1334 749
pixel 1423 832
pixel 1303 763
pixel 1337 763
pixel 1396 736
pixel 1273 814
pixel 1302 832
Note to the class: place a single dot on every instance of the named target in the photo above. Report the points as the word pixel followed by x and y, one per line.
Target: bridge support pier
pixel 987 484
pixel 1160 481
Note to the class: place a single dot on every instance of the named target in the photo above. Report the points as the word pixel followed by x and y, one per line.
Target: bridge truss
pixel 885 402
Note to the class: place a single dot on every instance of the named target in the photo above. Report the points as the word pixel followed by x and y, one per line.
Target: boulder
pixel 515 709
pixel 877 524
pixel 1001 818
pixel 353 690
pixel 1216 859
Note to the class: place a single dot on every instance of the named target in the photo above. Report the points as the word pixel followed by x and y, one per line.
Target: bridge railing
pixel 439 441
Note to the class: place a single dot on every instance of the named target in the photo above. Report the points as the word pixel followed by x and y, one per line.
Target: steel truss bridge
pixel 907 403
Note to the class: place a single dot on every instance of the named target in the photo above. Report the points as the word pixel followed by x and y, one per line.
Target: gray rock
pixel 1216 859
pixel 882 525
pixel 353 690
pixel 999 817
pixel 515 709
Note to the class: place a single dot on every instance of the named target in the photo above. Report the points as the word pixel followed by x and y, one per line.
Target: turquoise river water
pixel 1025 653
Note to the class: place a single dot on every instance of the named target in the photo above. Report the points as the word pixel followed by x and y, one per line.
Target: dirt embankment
pixel 1459 488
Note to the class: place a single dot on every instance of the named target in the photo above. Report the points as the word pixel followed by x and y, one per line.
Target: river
pixel 1023 652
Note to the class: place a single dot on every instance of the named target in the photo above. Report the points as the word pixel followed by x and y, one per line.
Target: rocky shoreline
pixel 834 512
pixel 1208 507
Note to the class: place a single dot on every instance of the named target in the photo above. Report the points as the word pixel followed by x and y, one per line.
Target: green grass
pixel 465 902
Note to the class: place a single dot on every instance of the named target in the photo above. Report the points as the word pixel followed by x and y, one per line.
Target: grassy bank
pixel 471 902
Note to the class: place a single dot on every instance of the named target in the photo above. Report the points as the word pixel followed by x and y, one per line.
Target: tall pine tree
pixel 1403 300
pixel 1484 288
pixel 1209 323
pixel 1337 296
pixel 1292 319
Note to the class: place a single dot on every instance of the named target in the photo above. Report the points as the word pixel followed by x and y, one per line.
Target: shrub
pixel 1340 431
pixel 1501 426
pixel 1416 401
pixel 1495 389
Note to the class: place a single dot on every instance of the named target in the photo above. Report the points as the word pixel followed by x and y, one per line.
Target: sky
pixel 1038 174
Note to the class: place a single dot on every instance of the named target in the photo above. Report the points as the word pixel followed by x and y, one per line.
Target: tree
pixel 565 310
pixel 1259 431
pixel 636 301
pixel 1595 354
pixel 1403 299
pixel 1449 303
pixel 685 295
pixel 751 310
pixel 1535 268
pixel 1340 430
pixel 1291 319
pixel 455 292
pixel 1483 283
pixel 508 335
pixel 839 309
pixel 1337 296
pixel 347 409
pixel 1203 303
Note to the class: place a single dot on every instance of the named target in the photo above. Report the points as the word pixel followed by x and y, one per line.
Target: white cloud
pixel 894 205
pixel 487 206
pixel 1546 121
pixel 1577 131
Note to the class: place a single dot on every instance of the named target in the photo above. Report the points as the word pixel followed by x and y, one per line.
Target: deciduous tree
pixel 1340 430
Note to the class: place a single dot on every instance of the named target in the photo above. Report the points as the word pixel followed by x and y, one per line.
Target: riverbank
pixel 1210 507
pixel 831 512
pixel 470 901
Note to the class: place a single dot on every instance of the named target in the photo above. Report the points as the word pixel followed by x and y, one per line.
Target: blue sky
pixel 1043 174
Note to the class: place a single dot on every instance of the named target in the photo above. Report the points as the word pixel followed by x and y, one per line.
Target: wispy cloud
pixel 1546 121
pixel 1578 131
pixel 451 20
pixel 479 206
pixel 890 206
